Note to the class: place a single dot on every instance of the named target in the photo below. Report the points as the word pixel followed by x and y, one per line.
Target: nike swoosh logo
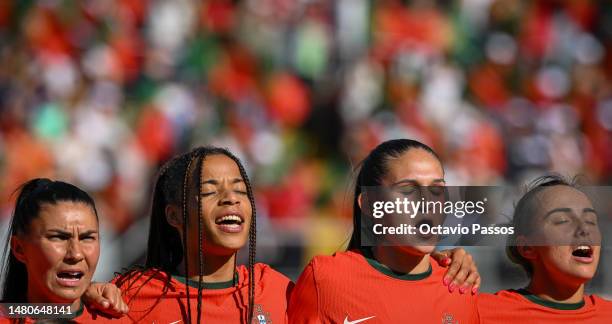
pixel 175 322
pixel 346 321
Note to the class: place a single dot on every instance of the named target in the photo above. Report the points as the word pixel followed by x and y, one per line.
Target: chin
pixel 233 243
pixel 232 248
pixel 67 295
pixel 420 250
pixel 583 274
pixel 224 247
pixel 572 274
pixel 426 249
pixel 71 296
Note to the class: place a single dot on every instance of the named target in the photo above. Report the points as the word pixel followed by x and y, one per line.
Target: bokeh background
pixel 101 92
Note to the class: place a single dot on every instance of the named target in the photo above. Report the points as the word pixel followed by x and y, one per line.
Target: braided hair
pixel 166 250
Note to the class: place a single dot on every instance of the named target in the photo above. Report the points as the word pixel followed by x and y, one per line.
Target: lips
pixel 70 278
pixel 583 253
pixel 231 222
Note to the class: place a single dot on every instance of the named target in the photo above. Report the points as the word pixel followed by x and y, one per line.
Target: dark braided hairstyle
pixel 165 249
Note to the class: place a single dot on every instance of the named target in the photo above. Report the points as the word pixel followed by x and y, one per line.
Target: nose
pixel 228 197
pixel 430 193
pixel 74 253
pixel 582 230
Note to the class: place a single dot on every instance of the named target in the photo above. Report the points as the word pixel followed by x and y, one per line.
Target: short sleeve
pixel 304 301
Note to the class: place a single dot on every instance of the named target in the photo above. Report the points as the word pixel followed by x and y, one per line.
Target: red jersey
pixel 155 297
pixel 350 288
pixel 518 306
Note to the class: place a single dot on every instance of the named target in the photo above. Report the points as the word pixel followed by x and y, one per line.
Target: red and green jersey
pixel 351 288
pixel 518 306
pixel 156 297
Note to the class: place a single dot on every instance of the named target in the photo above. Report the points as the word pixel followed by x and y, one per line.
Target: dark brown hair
pixel 371 172
pixel 32 196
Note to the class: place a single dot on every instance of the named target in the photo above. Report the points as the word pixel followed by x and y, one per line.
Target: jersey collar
pixel 208 285
pixel 549 303
pixel 78 312
pixel 369 256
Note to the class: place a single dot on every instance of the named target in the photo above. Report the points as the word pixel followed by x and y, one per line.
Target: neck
pixel 560 291
pixel 35 297
pixel 401 261
pixel 216 268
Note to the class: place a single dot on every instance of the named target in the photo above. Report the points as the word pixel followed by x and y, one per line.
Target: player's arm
pixel 304 301
pixel 105 298
pixel 462 273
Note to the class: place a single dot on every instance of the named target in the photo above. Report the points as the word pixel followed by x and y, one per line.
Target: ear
pixel 18 249
pixel 359 201
pixel 173 216
pixel 525 250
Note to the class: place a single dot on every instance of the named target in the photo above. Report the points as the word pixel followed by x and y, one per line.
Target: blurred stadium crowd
pixel 100 93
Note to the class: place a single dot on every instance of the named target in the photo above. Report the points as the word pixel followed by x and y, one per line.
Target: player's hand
pixel 462 274
pixel 106 299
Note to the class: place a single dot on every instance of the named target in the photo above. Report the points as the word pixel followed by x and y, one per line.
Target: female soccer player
pixel 557 242
pixel 203 201
pixel 203 212
pixel 386 284
pixel 54 250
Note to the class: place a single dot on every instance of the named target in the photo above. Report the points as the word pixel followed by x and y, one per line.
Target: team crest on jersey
pixel 260 316
pixel 448 319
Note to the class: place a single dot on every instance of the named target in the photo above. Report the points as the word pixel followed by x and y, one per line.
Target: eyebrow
pixel 414 182
pixel 59 231
pixel 216 182
pixel 62 232
pixel 557 210
pixel 88 232
pixel 569 210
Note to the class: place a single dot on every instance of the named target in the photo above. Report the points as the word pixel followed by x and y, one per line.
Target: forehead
pixel 66 214
pixel 416 164
pixel 219 166
pixel 562 196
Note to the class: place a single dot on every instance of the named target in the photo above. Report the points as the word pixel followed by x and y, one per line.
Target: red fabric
pixel 228 305
pixel 344 287
pixel 511 307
